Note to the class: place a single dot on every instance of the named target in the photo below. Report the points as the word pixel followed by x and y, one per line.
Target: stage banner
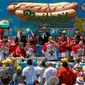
pixel 8 32
pixel 54 31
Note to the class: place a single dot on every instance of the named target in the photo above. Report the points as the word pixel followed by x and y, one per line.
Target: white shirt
pixel 41 72
pixel 49 72
pixel 6 49
pixel 30 73
pixel 30 52
pixel 50 51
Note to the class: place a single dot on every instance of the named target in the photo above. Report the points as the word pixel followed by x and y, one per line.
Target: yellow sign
pixel 80 24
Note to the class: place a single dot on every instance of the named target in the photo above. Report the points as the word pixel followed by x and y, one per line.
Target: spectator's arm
pixel 32 33
pixel 14 77
pixel 44 49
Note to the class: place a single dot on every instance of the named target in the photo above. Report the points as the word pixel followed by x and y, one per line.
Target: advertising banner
pixel 18 23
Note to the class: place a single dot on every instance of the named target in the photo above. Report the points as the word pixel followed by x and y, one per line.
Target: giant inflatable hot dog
pixel 40 9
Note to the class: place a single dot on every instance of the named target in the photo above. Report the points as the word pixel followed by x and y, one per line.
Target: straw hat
pixel 64 59
pixel 53 80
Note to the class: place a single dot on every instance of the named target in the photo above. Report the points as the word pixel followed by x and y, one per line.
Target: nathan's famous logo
pixel 46 19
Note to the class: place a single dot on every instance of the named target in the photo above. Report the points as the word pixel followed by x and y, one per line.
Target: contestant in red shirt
pixel 66 75
pixel 62 45
pixel 19 51
pixel 69 43
pixel 79 49
pixel 49 49
pixel 30 50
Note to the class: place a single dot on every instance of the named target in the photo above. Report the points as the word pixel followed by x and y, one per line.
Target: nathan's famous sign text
pixel 46 19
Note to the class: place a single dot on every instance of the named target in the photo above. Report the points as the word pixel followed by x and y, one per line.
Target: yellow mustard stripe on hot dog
pixel 65 5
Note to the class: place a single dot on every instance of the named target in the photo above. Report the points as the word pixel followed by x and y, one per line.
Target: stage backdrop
pixel 17 24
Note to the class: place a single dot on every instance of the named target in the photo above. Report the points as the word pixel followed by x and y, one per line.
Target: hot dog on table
pixel 42 8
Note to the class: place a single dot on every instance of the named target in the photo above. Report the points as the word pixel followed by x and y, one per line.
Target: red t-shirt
pixel 76 47
pixel 69 44
pixel 18 52
pixel 12 48
pixel 66 75
pixel 62 46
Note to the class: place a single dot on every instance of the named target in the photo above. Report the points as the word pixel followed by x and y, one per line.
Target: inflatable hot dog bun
pixel 42 8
